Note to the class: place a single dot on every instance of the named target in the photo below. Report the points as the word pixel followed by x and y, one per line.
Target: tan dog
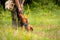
pixel 24 19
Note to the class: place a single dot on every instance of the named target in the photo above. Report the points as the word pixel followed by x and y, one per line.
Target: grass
pixel 45 21
pixel 39 33
pixel 43 16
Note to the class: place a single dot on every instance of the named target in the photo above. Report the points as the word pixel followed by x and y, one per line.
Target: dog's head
pixel 30 28
pixel 9 5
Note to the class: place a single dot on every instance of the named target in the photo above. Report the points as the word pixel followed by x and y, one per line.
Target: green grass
pixel 45 21
pixel 39 33
pixel 43 16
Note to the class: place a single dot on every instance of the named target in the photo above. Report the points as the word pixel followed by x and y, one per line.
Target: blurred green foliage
pixel 44 15
pixel 40 11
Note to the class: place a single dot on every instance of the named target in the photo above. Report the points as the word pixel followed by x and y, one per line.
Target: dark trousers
pixel 16 20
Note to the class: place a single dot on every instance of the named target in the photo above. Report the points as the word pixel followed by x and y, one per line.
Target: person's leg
pixel 14 17
pixel 20 23
pixel 19 20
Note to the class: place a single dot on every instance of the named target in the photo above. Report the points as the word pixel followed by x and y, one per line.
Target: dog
pixel 25 23
pixel 9 5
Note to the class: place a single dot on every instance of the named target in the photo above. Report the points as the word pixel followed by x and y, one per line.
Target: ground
pixel 42 32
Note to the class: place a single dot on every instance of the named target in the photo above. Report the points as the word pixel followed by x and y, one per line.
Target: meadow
pixel 44 19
